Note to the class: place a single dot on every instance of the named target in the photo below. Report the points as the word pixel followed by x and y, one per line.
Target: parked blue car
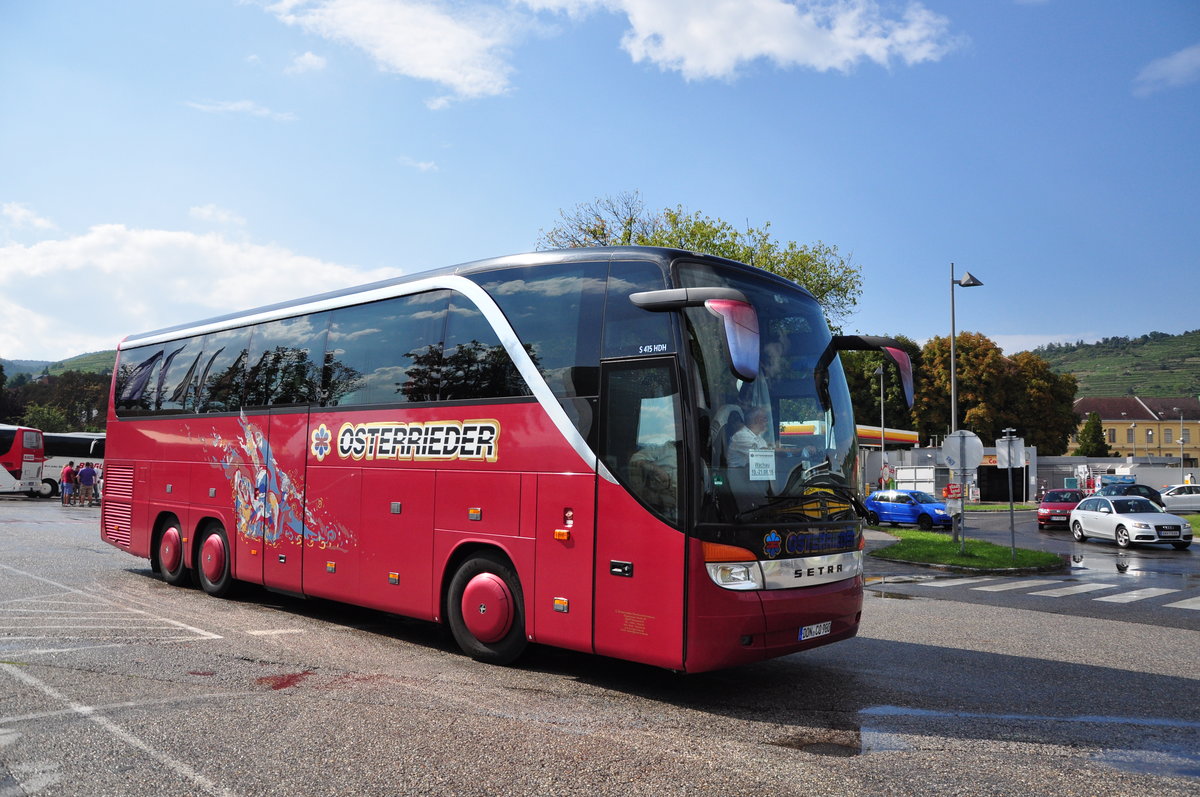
pixel 906 506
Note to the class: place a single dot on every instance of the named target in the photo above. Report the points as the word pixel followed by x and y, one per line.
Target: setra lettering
pixel 820 570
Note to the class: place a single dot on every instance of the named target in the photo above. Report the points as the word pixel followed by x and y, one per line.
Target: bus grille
pixel 117 521
pixel 118 482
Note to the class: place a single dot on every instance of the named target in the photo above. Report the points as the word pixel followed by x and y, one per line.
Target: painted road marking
pixel 1016 585
pixel 1190 603
pixel 1136 595
pixel 110 727
pixel 276 632
pixel 958 582
pixel 1074 589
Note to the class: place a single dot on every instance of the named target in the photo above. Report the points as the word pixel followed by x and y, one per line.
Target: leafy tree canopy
pixel 624 220
pixel 48 419
pixel 994 392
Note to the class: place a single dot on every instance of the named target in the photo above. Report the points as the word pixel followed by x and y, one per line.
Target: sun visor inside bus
pixel 730 305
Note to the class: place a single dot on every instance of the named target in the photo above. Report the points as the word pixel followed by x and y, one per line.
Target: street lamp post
pixel 967 281
pixel 883 430
pixel 1177 409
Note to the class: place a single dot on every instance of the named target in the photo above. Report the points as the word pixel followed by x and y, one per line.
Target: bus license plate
pixel 811 631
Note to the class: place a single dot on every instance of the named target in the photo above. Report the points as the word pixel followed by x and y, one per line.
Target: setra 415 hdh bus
pixel 577 448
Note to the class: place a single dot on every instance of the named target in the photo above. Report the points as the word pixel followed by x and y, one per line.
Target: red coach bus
pixel 21 457
pixel 536 448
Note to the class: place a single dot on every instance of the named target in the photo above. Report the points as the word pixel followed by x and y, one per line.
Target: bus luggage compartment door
pixel 562 594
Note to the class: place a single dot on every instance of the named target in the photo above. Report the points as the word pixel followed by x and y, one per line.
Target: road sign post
pixel 962 451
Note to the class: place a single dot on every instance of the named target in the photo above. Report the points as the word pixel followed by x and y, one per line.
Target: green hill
pixel 1155 365
pixel 97 362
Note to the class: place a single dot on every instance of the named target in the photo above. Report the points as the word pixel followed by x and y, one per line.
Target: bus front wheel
pixel 215 565
pixel 486 610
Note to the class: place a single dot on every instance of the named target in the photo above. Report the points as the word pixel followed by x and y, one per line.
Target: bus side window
pixel 180 362
pixel 137 379
pixel 642 434
pixel 284 366
pixel 630 331
pixel 222 375
pixel 556 310
pixel 475 364
pixel 385 352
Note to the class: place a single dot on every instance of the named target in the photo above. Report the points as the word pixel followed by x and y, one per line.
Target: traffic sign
pixel 962 450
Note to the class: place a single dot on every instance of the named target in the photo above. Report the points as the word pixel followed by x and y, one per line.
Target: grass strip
pixel 933 548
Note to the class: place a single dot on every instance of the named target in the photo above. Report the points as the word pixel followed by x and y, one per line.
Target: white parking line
pixel 1190 603
pixel 88 712
pixel 1136 595
pixel 1016 585
pixel 1074 589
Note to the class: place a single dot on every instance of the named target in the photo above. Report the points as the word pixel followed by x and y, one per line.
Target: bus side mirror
pixel 738 316
pixel 889 346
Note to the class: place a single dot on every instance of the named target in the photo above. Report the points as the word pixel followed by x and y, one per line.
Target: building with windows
pixel 1164 428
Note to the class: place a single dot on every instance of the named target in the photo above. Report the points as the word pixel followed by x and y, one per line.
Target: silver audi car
pixel 1128 521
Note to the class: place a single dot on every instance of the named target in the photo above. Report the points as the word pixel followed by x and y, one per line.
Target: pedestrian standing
pixel 66 482
pixel 87 484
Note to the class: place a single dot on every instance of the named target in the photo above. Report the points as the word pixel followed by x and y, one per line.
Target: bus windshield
pixel 776 448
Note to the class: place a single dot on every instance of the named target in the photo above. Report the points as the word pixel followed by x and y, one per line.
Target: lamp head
pixel 967 281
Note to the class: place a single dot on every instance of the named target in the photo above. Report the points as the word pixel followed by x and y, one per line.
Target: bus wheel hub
pixel 170 552
pixel 212 558
pixel 487 607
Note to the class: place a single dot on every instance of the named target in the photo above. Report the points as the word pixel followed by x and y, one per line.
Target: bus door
pixel 639 547
pixel 279 492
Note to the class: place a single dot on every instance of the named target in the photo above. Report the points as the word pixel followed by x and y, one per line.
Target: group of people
pixel 78 485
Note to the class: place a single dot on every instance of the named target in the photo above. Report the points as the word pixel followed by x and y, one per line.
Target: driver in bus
pixel 751 436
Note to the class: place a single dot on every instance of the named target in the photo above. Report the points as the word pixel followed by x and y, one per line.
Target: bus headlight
pixel 736 575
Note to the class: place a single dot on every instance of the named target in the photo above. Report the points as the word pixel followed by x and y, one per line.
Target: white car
pixel 1128 520
pixel 1182 498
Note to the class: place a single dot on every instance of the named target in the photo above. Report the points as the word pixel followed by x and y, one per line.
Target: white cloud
pixel 421 166
pixel 18 216
pixel 1173 71
pixel 305 63
pixel 463 45
pixel 242 106
pixel 216 215
pixel 458 45
pixel 128 280
pixel 714 38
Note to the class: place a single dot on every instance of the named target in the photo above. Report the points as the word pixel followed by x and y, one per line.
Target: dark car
pixel 906 506
pixel 1140 490
pixel 1056 507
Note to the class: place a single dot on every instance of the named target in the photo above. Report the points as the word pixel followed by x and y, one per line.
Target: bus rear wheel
pixel 215 566
pixel 486 610
pixel 170 553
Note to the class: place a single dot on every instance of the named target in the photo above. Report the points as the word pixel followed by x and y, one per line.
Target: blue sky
pixel 168 161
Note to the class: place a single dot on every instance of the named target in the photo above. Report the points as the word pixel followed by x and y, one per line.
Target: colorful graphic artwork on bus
pixel 267 503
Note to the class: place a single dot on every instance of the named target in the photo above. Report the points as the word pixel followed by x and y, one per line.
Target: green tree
pixel 1091 438
pixel 48 419
pixel 994 392
pixel 1044 404
pixel 831 278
